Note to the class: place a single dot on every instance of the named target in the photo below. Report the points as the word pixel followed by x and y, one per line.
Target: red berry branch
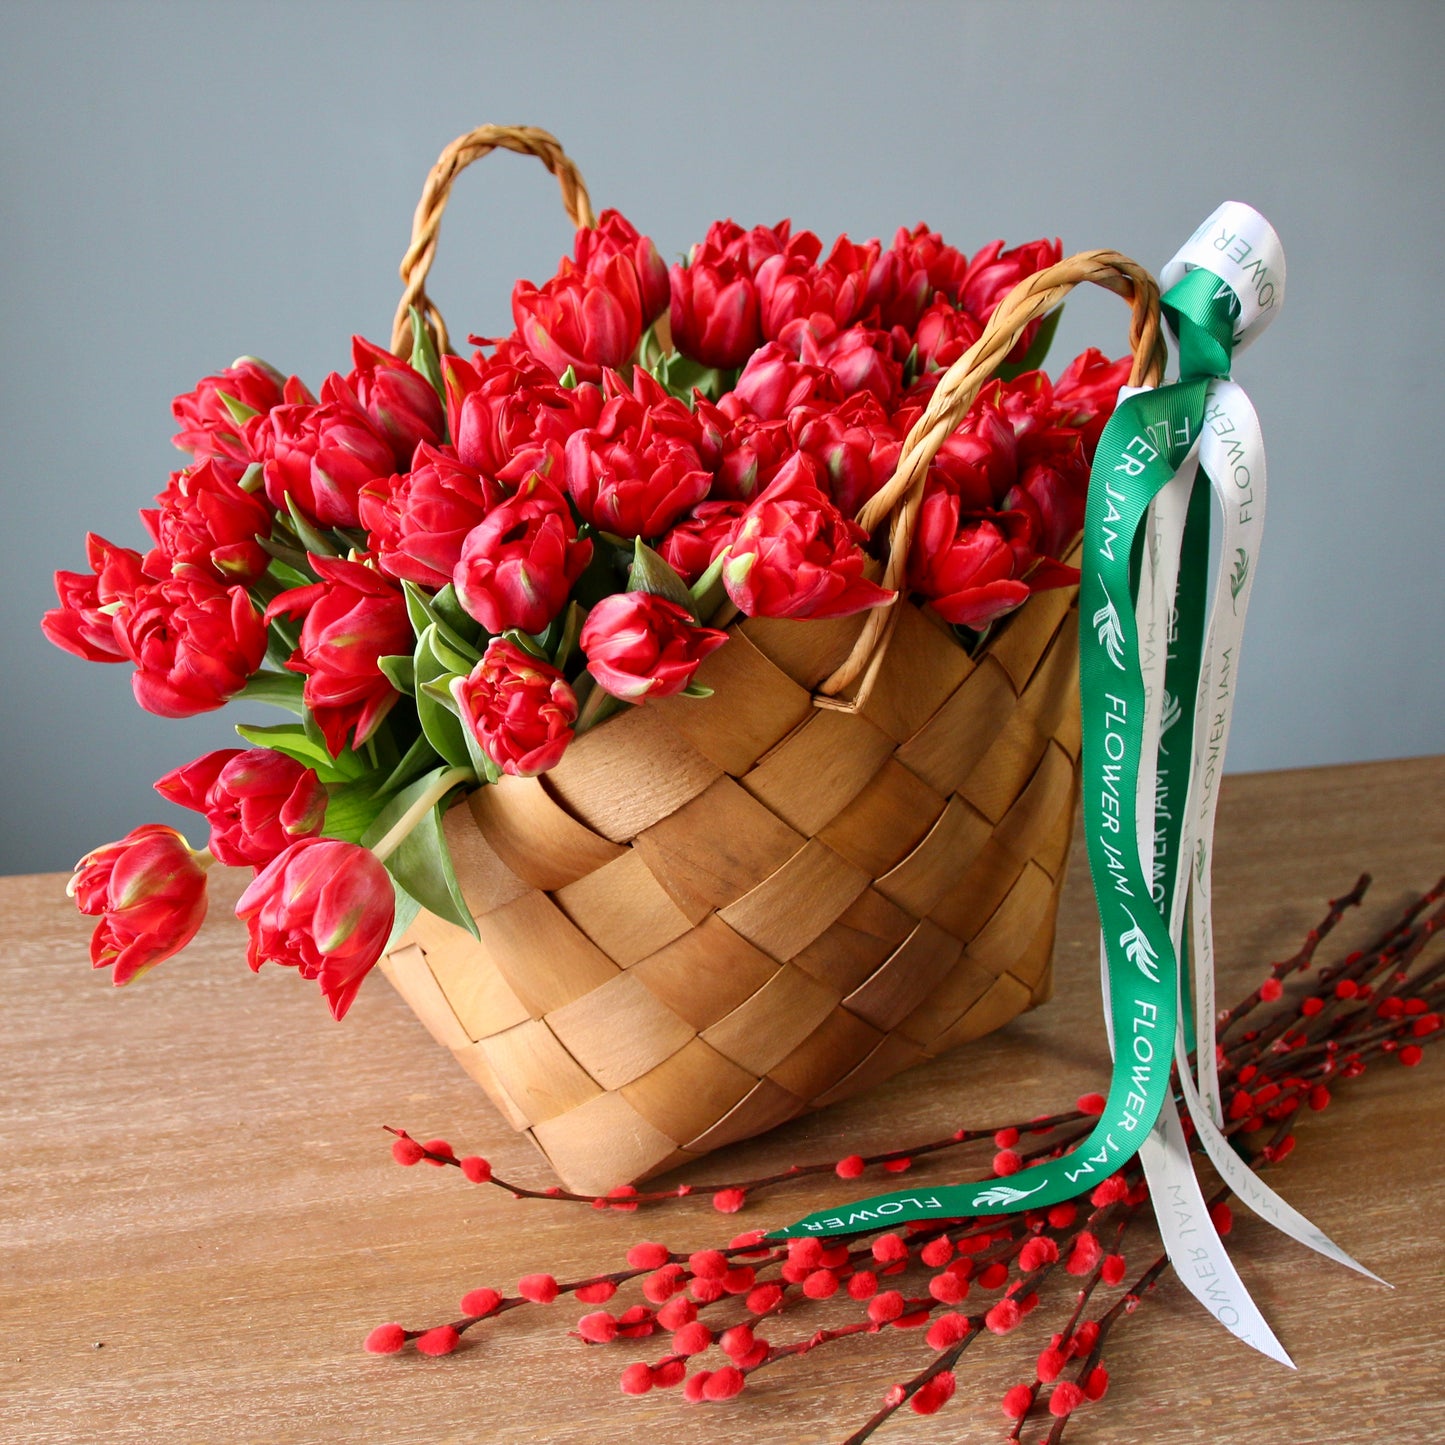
pixel 1281 1048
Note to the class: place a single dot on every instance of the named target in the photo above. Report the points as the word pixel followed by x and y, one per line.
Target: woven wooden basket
pixel 712 916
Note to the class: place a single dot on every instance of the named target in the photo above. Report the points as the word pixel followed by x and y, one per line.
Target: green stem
pixel 393 837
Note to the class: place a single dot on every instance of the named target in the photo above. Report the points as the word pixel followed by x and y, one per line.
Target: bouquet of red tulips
pixel 445 567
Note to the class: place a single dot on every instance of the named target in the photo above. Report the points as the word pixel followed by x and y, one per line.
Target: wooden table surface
pixel 200 1219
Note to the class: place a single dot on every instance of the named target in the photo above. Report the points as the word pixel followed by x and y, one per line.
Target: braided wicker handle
pixel 525 140
pixel 900 499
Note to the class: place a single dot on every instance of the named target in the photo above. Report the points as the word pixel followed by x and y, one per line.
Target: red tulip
pixel 994 272
pixel 774 383
pixel 1086 393
pixel 205 525
pixel 321 455
pixel 401 402
pixel 84 623
pixel 194 643
pixel 915 269
pixel 258 802
pixel 638 469
pixel 418 521
pixel 323 907
pixel 715 309
pixel 150 892
pixel 615 236
pixel 208 428
pixel 792 288
pixel 519 563
pixel 691 547
pixel 971 568
pixel 582 320
pixel 353 616
pixel 508 417
pixel 796 555
pixel 856 445
pixel 944 333
pixel 519 708
pixel 640 645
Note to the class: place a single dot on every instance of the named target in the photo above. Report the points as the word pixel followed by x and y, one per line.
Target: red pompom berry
pixel 897 1166
pixel 636 1379
pixel 932 1396
pixel 691 1339
pixel 598 1328
pixel 1411 1055
pixel 862 1285
pixel 677 1312
pixel 889 1249
pixel 723 1384
pixel 1006 1162
pixel 442 1149
pixel 1111 1271
pixel 1270 990
pixel 851 1167
pixel 1051 1364
pixel 1038 1252
pixel 1016 1401
pixel 596 1294
pixel 647 1255
pixel 385 1339
pixel 764 1298
pixel 947 1330
pixel 1091 1104
pixel 406 1150
pixel 993 1276
pixel 1096 1383
pixel 937 1252
pixel 1066 1398
pixel 475 1168
pixel 541 1289
pixel 1004 1316
pixel 1084 1255
pixel 885 1307
pixel 440 1341
pixel 480 1302
pixel 821 1284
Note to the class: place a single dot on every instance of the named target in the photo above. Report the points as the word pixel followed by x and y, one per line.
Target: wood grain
pixel 200 1220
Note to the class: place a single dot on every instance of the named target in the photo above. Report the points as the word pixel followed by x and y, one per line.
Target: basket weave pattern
pixel 710 917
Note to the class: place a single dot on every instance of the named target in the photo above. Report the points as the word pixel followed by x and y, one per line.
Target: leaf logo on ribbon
pixel 1138 951
pixel 1240 575
pixel 1003 1194
pixel 1199 859
pixel 1110 632
pixel 1173 710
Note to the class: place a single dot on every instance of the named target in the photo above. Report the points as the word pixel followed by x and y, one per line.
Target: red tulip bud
pixel 150 892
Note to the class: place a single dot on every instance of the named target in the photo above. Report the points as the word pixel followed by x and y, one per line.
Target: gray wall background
pixel 182 183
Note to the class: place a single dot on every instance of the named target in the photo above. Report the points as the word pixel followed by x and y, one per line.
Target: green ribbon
pixel 1139 453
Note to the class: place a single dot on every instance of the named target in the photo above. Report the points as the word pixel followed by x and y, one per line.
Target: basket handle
pixel 899 501
pixel 526 140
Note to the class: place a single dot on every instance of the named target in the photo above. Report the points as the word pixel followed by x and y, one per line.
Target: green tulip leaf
pixel 400 671
pixel 435 706
pixel 351 808
pixel 424 612
pixel 293 740
pixel 421 863
pixel 280 689
pixel 407 909
pixel 651 573
pixel 424 352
